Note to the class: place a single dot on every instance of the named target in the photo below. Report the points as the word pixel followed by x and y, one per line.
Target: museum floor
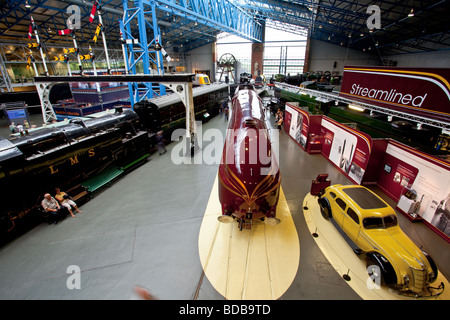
pixel 144 230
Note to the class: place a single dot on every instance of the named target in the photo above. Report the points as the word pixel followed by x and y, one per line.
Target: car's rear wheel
pixel 325 208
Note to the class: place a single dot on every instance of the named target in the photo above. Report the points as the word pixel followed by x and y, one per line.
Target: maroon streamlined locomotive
pixel 249 177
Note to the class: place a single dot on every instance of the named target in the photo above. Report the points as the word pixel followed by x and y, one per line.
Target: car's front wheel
pixel 434 274
pixel 380 269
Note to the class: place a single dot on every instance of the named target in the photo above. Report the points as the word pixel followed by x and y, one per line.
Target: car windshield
pixel 380 223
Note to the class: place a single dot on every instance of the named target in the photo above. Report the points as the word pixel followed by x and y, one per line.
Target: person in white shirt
pixel 51 206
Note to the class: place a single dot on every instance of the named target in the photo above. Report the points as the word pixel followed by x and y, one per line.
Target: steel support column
pixel 184 91
pixel 5 74
pixel 141 52
pixel 43 89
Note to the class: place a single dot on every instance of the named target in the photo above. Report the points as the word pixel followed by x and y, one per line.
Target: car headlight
pixel 406 280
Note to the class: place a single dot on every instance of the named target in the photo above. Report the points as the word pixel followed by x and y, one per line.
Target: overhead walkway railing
pixel 329 96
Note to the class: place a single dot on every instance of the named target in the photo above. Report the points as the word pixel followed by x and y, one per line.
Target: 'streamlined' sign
pixel 420 91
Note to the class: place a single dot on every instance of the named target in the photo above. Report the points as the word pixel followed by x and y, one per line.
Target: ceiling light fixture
pixel 411 14
pixel 27 5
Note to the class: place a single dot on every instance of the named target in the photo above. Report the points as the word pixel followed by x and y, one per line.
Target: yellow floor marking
pixel 258 264
pixel 343 259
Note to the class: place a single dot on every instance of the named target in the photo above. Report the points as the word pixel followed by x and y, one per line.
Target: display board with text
pixel 420 184
pixel 420 91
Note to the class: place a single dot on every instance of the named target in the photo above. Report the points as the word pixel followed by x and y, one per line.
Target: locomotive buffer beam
pixel 181 84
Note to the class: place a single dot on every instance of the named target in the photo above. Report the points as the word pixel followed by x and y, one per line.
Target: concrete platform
pixel 144 230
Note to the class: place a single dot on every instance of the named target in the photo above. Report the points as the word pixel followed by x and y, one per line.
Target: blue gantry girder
pixel 144 47
pixel 139 50
pixel 145 25
pixel 294 12
pixel 220 14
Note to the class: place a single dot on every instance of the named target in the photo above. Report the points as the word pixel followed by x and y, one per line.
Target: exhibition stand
pixel 353 267
pixel 418 182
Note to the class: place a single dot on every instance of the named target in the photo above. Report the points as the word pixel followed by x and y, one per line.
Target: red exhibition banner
pixel 303 127
pixel 298 124
pixel 420 91
pixel 347 148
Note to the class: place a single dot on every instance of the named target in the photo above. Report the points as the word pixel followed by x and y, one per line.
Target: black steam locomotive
pixel 67 154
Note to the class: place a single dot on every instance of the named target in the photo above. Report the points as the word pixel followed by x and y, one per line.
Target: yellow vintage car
pixel 371 228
